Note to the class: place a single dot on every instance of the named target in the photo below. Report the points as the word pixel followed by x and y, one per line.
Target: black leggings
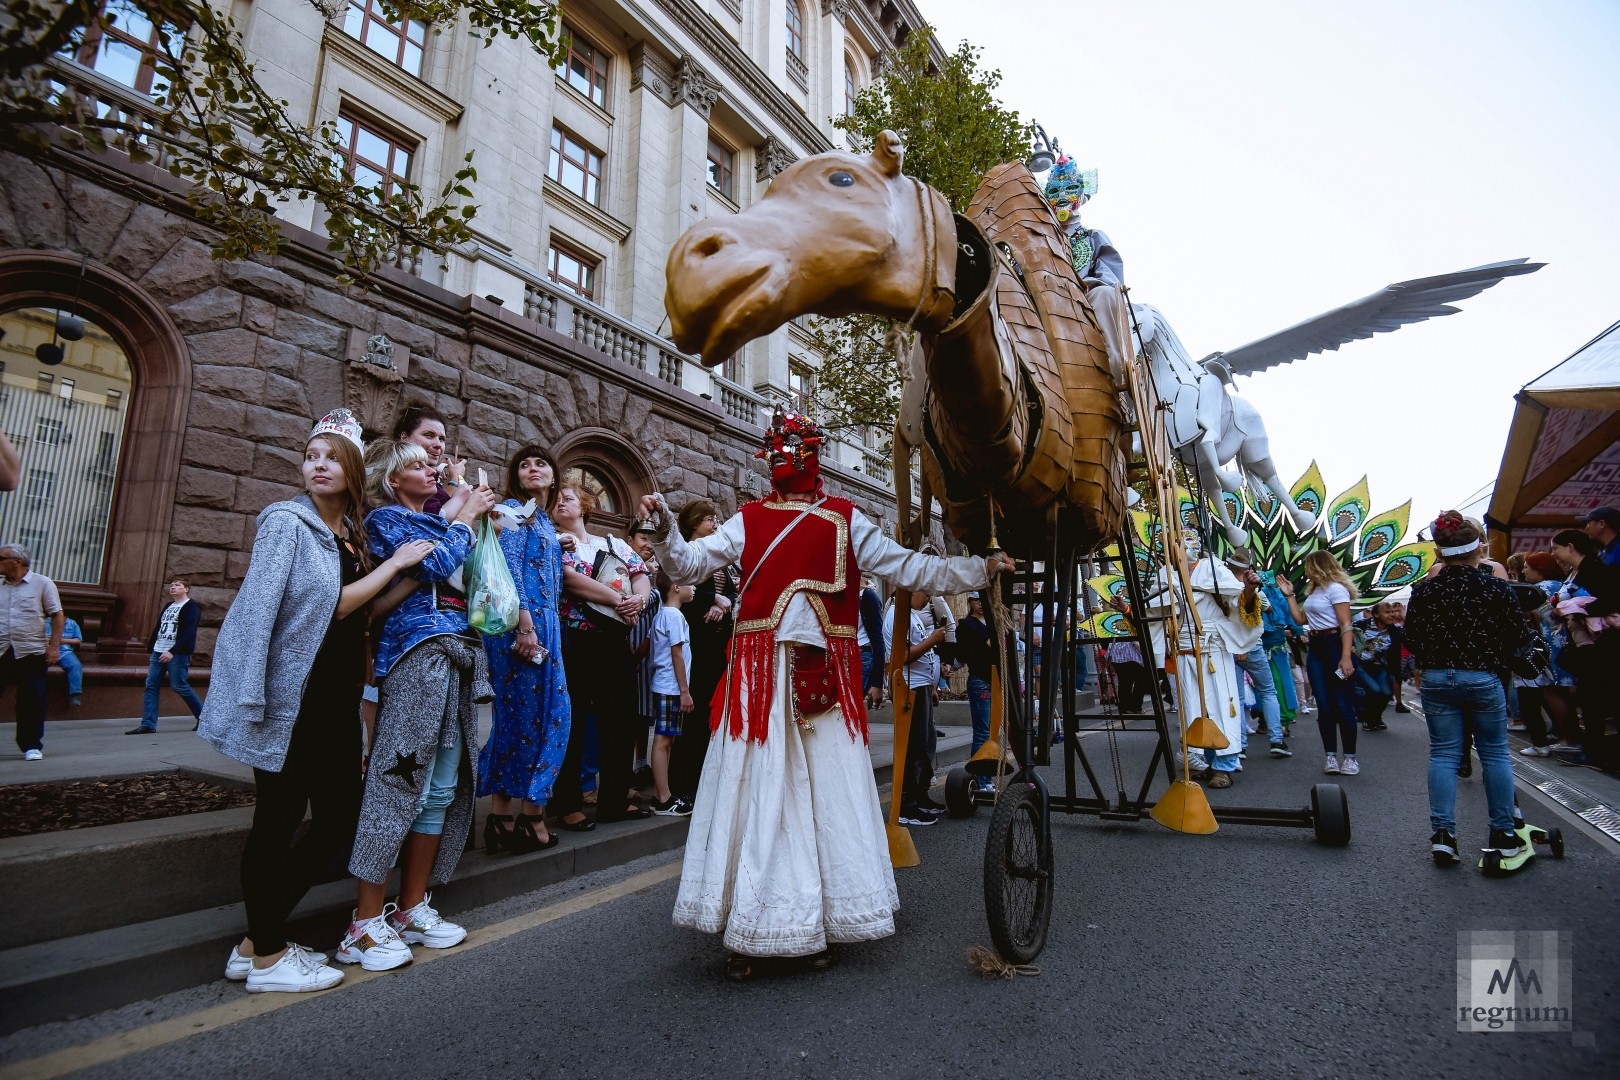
pixel 602 682
pixel 322 773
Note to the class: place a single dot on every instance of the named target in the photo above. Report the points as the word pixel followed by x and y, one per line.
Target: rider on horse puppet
pixel 787 852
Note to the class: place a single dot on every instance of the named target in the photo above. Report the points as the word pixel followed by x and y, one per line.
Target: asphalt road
pixel 1253 952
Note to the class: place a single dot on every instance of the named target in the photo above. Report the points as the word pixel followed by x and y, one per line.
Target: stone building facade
pixel 230 361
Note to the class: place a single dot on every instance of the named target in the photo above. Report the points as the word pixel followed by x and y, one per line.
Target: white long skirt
pixel 787 849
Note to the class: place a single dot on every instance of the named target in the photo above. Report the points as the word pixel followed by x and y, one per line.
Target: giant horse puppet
pixel 1010 401
pixel 1010 397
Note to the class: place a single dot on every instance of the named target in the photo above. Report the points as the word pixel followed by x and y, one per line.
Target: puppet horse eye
pixel 841 179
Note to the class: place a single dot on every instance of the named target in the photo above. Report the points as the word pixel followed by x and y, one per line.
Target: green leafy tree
pixel 211 123
pixel 954 130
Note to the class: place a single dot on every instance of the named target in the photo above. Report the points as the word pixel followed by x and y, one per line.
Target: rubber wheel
pixel 1330 813
pixel 1017 890
pixel 959 793
pixel 1555 840
pixel 1492 862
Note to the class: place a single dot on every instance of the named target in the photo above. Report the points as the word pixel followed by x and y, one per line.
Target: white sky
pixel 1261 162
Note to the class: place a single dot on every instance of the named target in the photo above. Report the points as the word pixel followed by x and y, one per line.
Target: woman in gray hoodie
pixel 285 696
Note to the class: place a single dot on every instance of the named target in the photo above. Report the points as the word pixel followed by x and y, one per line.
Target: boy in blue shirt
pixel 670 657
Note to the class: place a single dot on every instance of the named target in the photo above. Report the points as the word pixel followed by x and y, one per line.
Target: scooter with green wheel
pixel 1512 851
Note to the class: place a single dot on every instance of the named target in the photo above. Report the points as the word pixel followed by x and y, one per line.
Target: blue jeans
pixel 179 670
pixel 1451 700
pixel 439 791
pixel 69 663
pixel 1258 666
pixel 1335 706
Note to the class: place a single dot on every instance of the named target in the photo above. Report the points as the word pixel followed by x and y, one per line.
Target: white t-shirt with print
pixel 923 671
pixel 669 629
pixel 1319 611
pixel 168 627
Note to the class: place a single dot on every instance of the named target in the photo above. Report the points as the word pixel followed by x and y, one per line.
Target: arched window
pixel 67 422
pixel 795 29
pixel 849 86
pixel 612 469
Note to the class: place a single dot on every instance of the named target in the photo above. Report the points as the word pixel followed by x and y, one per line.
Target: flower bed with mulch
pixel 39 808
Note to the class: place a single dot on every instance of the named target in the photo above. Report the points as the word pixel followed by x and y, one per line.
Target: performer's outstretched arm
pixel 688 562
pixel 906 569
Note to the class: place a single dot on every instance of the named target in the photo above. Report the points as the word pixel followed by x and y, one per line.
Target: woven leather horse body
pixel 1011 402
pixel 1020 407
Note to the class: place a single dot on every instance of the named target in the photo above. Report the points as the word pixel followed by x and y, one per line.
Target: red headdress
pixel 792 449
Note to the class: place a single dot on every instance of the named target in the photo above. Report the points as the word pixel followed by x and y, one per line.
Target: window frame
pixel 565 70
pixel 727 169
pixel 557 154
pixel 396 143
pixel 588 263
pixel 801 387
pixel 794 20
pixel 371 16
pixel 146 71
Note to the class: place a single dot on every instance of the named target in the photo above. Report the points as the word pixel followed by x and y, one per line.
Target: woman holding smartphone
pixel 1330 662
pixel 530 719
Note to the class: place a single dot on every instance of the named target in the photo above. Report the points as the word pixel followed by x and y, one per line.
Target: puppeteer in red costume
pixel 787 850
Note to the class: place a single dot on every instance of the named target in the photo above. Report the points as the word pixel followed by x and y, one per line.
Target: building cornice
pixel 434 102
pixel 736 63
pixel 558 195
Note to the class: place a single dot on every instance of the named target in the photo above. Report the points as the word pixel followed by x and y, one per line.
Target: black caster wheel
pixel 1491 863
pixel 1017 888
pixel 959 793
pixel 1330 813
pixel 1555 841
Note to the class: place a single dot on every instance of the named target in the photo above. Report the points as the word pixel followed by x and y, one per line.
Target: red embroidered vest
pixel 817 558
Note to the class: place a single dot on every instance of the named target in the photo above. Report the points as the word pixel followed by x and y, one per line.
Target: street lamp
pixel 1045 153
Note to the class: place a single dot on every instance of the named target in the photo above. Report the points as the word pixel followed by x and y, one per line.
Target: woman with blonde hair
pixel 1330 662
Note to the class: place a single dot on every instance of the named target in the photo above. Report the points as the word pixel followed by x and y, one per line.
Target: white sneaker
pixel 1331 765
pixel 373 944
pixel 33 755
pixel 423 926
pixel 1536 751
pixel 237 966
pixel 299 971
pixel 1349 766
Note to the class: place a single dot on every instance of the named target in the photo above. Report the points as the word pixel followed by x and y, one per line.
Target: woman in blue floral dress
pixel 529 736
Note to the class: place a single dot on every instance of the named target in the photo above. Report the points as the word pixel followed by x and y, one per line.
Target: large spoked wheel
pixel 1017 888
pixel 959 793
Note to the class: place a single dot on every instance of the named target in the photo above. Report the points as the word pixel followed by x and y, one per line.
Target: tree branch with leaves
pixel 210 123
pixel 954 130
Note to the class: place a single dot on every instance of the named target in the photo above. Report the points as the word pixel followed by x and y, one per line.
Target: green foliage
pixel 211 124
pixel 954 130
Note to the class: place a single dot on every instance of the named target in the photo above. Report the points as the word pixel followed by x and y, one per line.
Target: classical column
pixel 652 129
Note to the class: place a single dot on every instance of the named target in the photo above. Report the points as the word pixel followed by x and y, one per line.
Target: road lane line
pixel 247 1006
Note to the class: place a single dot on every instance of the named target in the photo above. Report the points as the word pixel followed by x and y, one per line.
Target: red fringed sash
pixel 743 699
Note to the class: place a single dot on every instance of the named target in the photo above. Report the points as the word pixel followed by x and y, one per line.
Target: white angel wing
pixel 1390 308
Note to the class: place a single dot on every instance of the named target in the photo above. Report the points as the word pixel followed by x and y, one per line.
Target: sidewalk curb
pixel 71 977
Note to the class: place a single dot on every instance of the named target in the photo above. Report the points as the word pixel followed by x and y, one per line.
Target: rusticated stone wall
pixel 267 345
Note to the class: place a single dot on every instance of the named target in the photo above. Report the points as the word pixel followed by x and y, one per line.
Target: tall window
pixel 70 453
pixel 572 270
pixel 722 166
pixel 126 49
pixel 800 388
pixel 585 69
pixel 399 44
pixel 849 87
pixel 576 166
pixel 795 29
pixel 373 158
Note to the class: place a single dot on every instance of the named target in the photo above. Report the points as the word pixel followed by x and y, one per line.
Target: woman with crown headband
pixel 287 702
pixel 787 852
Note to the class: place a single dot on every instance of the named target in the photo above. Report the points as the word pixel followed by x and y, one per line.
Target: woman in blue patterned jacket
pixel 430 673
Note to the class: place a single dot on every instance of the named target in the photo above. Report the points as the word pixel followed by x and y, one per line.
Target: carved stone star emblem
pixel 405 767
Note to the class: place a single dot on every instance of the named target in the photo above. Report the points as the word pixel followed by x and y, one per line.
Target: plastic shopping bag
pixel 492 599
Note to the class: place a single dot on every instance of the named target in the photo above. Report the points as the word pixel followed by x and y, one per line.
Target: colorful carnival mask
pixel 793 451
pixel 1067 189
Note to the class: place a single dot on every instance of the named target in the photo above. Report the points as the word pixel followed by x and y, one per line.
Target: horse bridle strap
pixel 930 283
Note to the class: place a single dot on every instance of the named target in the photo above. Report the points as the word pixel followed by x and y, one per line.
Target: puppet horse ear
pixel 887 151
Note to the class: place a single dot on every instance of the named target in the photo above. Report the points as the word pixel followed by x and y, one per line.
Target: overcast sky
pixel 1261 162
